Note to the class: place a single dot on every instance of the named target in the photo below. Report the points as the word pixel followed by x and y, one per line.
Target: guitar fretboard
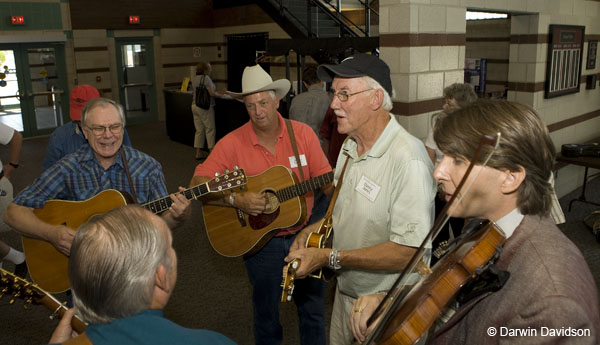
pixel 161 205
pixel 304 187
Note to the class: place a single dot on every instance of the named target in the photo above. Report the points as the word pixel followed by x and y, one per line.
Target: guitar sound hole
pixel 269 216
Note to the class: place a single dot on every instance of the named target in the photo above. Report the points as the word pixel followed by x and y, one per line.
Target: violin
pixel 407 312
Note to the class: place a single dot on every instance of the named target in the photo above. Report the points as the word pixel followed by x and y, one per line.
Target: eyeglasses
pixel 343 95
pixel 100 130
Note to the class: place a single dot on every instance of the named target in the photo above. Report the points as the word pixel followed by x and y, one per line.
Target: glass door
pixel 32 87
pixel 135 63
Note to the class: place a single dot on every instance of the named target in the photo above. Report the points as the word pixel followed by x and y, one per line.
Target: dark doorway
pixel 242 51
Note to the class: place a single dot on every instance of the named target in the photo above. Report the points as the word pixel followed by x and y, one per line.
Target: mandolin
pixel 318 239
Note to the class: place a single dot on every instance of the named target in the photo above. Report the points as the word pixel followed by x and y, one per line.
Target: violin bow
pixel 395 297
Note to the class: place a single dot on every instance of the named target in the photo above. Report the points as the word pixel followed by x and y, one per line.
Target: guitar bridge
pixel 240 217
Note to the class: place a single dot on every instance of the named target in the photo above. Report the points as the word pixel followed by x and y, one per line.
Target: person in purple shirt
pixel 69 137
pixel 122 297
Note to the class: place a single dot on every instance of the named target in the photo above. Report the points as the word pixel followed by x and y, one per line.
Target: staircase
pixel 321 18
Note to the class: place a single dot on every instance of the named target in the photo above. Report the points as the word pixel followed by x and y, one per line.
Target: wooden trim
pixel 417 108
pixel 573 121
pixel 496 82
pixel 488 39
pixel 542 38
pixel 193 63
pixel 498 61
pixel 526 87
pixel 591 37
pixel 529 39
pixel 93 70
pixel 89 49
pixel 421 40
pixel 191 45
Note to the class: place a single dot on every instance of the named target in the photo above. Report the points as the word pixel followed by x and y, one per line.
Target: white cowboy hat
pixel 255 79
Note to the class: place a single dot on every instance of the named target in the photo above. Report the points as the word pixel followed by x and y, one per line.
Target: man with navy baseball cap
pixel 384 208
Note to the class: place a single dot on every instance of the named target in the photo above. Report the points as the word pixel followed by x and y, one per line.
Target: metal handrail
pixel 44 93
pixel 17 96
pixel 138 84
pixel 327 10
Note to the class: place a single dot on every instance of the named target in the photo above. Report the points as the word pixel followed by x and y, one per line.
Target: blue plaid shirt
pixel 79 176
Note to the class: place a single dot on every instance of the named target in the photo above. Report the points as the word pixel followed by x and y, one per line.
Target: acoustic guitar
pixel 33 294
pixel 48 267
pixel 232 232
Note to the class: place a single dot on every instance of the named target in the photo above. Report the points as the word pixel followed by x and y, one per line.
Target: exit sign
pixel 134 19
pixel 17 20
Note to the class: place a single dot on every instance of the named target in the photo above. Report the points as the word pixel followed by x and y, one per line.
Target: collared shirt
pixel 79 176
pixel 150 327
pixel 509 223
pixel 387 195
pixel 241 148
pixel 66 139
pixel 310 107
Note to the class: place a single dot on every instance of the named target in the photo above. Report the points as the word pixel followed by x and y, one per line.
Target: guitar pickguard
pixel 269 215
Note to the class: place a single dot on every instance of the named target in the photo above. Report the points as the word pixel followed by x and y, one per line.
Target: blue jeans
pixel 265 270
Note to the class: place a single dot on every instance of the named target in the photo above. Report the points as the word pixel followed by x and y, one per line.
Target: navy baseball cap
pixel 358 65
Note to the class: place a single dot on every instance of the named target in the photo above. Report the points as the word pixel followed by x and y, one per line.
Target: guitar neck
pixel 31 293
pixel 304 187
pixel 163 204
pixel 53 304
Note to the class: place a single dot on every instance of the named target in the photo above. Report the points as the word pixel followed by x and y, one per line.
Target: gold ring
pixel 358 310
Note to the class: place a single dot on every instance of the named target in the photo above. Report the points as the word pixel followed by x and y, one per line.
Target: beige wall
pixel 420 70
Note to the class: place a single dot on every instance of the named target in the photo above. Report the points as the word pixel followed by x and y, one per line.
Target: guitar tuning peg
pixel 226 171
pixel 217 174
pixel 236 168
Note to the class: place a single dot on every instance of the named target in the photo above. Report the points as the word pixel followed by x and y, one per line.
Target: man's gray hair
pixel 114 258
pixel 387 99
pixel 101 102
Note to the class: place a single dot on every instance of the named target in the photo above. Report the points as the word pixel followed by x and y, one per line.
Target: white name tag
pixel 368 188
pixel 293 163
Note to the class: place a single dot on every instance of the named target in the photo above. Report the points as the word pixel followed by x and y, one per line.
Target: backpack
pixel 202 96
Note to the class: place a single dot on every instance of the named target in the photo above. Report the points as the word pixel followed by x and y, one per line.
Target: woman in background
pixel 204 119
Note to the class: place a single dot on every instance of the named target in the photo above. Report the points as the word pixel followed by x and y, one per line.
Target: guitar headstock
pixel 227 180
pixel 19 288
pixel 31 293
pixel 289 276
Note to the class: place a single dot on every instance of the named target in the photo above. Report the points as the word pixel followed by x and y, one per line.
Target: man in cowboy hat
pixel 256 146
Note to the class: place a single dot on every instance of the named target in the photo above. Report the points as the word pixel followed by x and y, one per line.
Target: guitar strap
pixel 81 339
pixel 133 194
pixel 288 124
pixel 336 191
